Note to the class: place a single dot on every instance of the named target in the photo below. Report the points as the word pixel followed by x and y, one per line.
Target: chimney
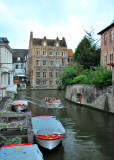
pixel 31 35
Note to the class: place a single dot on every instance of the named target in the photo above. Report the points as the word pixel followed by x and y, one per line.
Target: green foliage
pixel 82 79
pixel 6 141
pixel 68 73
pixel 95 76
pixel 87 52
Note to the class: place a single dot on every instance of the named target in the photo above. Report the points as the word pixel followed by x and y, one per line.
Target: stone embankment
pixel 96 97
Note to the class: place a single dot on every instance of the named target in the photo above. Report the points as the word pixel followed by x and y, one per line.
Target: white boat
pixel 55 103
pixel 48 131
pixel 19 105
pixel 24 151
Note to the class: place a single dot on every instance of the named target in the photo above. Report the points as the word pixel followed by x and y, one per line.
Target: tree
pixel 87 52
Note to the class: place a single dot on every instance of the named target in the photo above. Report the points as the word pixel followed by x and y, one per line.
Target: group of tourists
pixel 50 99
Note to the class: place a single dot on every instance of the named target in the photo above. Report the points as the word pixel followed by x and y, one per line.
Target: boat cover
pixel 30 152
pixel 47 125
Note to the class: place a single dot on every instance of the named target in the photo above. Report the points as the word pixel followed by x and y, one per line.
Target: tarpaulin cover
pixel 47 125
pixel 31 152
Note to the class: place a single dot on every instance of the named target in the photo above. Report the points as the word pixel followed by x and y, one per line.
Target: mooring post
pixel 30 135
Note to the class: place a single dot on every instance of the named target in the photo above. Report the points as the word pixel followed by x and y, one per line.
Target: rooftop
pixel 107 28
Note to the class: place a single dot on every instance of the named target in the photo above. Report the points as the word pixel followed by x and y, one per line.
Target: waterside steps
pixel 9 128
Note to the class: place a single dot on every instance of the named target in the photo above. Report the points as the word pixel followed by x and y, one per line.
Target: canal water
pixel 89 133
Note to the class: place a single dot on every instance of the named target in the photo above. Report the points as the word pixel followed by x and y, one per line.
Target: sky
pixel 53 18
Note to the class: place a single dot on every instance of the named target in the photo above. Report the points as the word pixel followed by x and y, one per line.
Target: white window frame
pixel 63 62
pixel 50 53
pixel 57 62
pixel 44 83
pixel 50 62
pixel 51 83
pixel 44 61
pixel 38 52
pixel 44 53
pixel 57 53
pixel 63 54
pixel 37 61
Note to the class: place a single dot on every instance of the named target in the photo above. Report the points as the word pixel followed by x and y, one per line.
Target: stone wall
pixel 96 97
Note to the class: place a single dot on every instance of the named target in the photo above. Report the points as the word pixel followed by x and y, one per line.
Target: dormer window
pixel 44 43
pixel 57 44
pixel 18 59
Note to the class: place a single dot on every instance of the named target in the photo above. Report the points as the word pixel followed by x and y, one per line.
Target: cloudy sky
pixel 53 18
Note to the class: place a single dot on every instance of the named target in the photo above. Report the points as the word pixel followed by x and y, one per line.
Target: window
pixel 44 83
pixel 44 73
pixel 37 82
pixel 44 53
pixel 56 74
pixel 51 83
pixel 8 78
pixel 21 66
pixel 105 38
pixel 111 58
pixel 16 66
pixel 57 53
pixel 38 61
pixel 57 83
pixel 63 54
pixel 44 61
pixel 51 53
pixel 63 62
pixel 111 36
pixel 50 74
pixel 51 62
pixel 18 59
pixel 57 44
pixel 38 53
pixel 44 43
pixel 57 62
pixel 105 59
pixel 38 74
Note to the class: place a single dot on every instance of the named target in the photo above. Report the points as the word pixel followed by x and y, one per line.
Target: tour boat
pixel 24 151
pixel 19 105
pixel 48 131
pixel 55 103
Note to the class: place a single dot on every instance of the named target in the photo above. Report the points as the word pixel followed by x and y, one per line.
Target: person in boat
pixel 46 100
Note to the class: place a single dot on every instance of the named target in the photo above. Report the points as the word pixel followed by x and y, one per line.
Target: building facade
pixel 45 59
pixel 107 45
pixel 70 56
pixel 6 71
pixel 20 66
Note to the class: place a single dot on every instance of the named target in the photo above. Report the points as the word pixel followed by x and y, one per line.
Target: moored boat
pixel 24 151
pixel 48 131
pixel 19 105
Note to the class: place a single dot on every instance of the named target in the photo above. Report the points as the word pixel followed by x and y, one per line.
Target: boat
pixel 48 131
pixel 19 151
pixel 19 105
pixel 55 103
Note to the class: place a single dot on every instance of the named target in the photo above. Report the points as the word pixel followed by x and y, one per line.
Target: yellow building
pixel 45 58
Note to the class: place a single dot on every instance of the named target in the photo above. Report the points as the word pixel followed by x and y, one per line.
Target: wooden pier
pixel 20 131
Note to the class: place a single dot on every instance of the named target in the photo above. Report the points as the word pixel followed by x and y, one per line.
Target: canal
pixel 89 133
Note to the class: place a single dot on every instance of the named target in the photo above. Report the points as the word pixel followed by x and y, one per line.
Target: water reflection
pixel 89 133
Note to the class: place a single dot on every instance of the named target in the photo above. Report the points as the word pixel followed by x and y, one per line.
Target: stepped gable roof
pixel 70 52
pixel 108 27
pixel 50 42
pixel 19 53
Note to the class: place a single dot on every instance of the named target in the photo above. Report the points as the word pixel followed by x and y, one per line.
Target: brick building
pixel 70 56
pixel 107 45
pixel 45 58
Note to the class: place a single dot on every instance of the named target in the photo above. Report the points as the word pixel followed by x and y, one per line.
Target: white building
pixel 19 66
pixel 6 72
